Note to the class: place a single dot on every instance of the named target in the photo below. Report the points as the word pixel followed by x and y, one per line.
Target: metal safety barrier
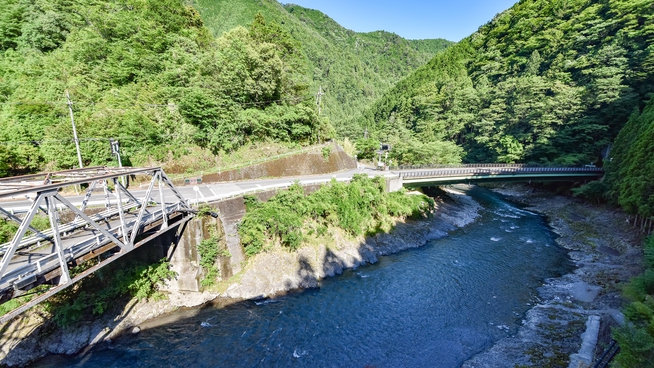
pixel 494 170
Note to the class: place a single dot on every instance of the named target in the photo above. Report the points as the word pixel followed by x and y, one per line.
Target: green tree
pixel 366 148
pixel 546 81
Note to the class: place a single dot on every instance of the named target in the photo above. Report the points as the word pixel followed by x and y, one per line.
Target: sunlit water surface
pixel 435 306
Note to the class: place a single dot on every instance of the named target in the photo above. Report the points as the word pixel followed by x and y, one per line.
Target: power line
pixel 70 140
pixel 55 103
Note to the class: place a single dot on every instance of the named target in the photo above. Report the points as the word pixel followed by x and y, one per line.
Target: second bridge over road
pixel 441 175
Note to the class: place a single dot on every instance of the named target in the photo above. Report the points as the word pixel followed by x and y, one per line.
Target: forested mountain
pixel 148 73
pixel 629 182
pixel 545 81
pixel 354 69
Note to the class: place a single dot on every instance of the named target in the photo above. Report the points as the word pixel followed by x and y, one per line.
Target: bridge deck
pixel 448 175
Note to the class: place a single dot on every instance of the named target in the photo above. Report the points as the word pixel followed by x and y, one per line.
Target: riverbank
pixel 267 274
pixel 606 253
pixel 279 271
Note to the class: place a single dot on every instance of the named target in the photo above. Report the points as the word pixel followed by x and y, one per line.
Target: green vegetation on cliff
pixel 100 292
pixel 545 81
pixel 629 182
pixel 630 178
pixel 636 338
pixel 361 207
pixel 354 69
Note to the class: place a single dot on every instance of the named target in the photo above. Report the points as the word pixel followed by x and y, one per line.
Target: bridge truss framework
pixel 44 255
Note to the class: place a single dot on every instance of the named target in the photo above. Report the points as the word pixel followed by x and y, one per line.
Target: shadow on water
pixel 436 305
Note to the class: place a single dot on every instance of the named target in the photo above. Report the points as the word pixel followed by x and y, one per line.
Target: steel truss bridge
pixel 110 221
pixel 450 174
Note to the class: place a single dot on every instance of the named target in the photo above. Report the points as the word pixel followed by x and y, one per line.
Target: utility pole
pixel 72 120
pixel 319 100
pixel 115 150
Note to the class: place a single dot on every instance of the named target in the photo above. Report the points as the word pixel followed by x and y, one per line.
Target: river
pixel 434 306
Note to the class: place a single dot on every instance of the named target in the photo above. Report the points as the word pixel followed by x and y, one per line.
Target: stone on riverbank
pixel 552 330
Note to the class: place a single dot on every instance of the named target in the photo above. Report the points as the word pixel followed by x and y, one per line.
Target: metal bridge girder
pixel 19 235
pixel 94 224
pixel 144 206
pixel 81 244
pixel 54 223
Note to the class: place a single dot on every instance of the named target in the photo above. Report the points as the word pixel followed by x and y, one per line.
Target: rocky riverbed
pixel 606 252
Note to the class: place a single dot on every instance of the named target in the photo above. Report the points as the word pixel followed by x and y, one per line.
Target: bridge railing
pixel 494 165
pixel 495 170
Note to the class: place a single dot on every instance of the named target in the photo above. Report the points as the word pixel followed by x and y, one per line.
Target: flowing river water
pixel 434 306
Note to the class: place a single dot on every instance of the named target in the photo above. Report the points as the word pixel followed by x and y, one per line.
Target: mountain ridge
pixel 544 81
pixel 351 67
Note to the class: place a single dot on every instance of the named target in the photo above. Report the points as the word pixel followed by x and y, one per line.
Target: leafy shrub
pixel 366 148
pixel 7 230
pixel 12 304
pixel 208 249
pixel 636 338
pixel 594 191
pixel 98 292
pixel 326 151
pixel 204 210
pixel 361 207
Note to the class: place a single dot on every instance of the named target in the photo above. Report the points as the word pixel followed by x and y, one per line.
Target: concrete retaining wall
pixel 394 184
pixel 308 163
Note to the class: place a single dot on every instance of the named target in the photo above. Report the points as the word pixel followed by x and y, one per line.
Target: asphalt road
pixel 204 191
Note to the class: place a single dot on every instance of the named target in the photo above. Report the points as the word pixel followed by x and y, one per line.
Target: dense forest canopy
pixel 353 69
pixel 148 73
pixel 629 181
pixel 545 81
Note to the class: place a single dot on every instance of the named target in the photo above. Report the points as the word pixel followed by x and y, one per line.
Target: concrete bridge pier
pixel 393 183
pixel 184 258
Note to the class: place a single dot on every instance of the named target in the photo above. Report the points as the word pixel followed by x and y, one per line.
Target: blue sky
pixel 449 19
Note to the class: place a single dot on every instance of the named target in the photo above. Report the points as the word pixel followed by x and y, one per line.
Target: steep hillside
pixel 629 178
pixel 629 182
pixel 149 74
pixel 545 81
pixel 354 69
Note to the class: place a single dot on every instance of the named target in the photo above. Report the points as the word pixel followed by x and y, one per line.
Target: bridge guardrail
pixel 489 170
pixel 466 166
